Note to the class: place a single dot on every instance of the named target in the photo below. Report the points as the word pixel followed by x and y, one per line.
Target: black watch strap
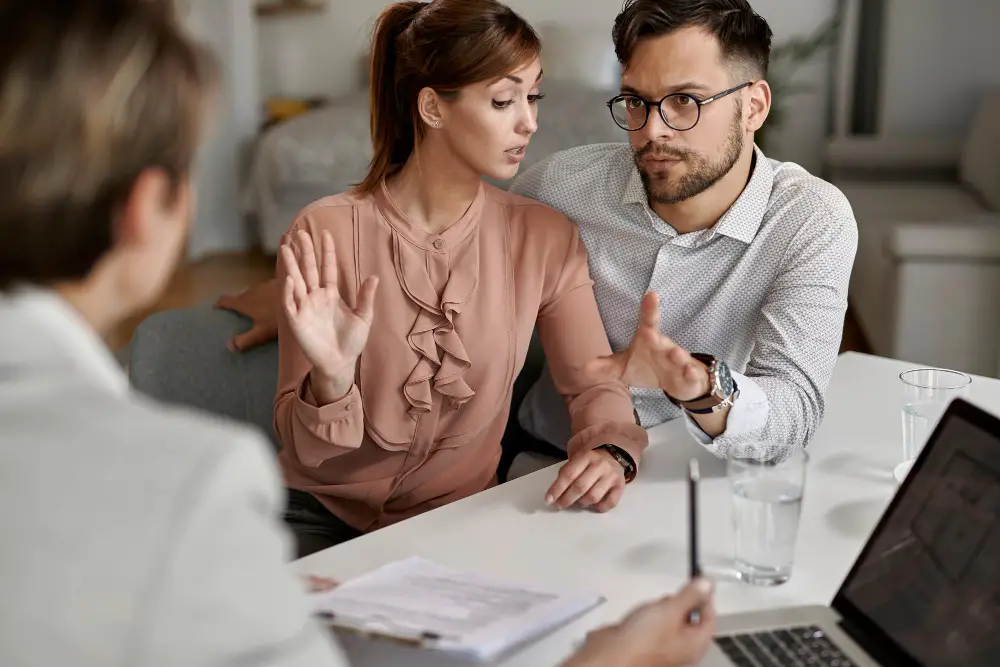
pixel 624 458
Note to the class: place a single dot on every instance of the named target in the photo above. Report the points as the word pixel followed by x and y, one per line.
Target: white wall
pixel 940 57
pixel 321 54
pixel 229 28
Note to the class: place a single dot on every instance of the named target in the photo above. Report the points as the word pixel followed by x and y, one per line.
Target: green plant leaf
pixel 787 58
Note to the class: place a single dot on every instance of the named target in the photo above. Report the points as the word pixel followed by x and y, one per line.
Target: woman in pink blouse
pixel 408 302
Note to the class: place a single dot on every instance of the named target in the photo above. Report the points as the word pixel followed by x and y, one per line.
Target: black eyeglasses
pixel 680 111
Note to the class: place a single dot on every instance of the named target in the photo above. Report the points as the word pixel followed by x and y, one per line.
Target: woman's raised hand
pixel 331 334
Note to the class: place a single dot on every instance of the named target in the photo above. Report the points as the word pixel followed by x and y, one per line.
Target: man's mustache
pixel 660 152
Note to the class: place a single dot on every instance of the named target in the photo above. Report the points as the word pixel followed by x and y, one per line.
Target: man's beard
pixel 701 175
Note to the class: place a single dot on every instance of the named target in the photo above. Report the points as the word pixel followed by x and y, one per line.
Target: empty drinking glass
pixel 926 394
pixel 767 502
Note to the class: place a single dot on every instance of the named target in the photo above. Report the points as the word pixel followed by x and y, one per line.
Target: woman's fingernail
pixel 704 586
pixel 549 499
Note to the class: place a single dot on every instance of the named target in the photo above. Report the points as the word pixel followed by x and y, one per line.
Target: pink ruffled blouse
pixel 454 315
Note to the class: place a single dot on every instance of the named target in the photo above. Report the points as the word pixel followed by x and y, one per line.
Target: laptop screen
pixel 927 585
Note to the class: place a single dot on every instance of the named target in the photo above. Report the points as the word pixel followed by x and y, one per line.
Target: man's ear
pixel 429 108
pixel 145 207
pixel 759 101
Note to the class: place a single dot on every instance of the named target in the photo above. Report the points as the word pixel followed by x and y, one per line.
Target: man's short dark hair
pixel 744 36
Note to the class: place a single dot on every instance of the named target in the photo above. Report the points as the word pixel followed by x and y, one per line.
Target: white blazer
pixel 131 533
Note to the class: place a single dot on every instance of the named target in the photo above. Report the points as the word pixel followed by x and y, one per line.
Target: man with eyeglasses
pixel 721 275
pixel 746 260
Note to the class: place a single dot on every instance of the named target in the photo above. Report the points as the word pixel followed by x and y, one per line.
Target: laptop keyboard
pixel 794 647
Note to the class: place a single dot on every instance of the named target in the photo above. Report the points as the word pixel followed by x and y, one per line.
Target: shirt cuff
pixel 749 413
pixel 338 411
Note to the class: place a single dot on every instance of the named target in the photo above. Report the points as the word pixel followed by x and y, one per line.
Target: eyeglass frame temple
pixel 649 103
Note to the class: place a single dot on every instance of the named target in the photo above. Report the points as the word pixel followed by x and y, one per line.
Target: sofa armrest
pixel 970 240
pixel 915 152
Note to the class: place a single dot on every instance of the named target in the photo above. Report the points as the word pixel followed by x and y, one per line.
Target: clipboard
pixel 420 604
pixel 362 629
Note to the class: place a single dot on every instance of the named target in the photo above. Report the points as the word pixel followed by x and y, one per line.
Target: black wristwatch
pixel 624 458
pixel 722 393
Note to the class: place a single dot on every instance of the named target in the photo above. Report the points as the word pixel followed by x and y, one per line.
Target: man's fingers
pixel 366 299
pixel 678 355
pixel 649 312
pixel 567 475
pixel 691 373
pixel 226 302
pixel 251 339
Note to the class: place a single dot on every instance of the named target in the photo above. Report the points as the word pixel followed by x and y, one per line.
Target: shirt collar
pixel 635 192
pixel 60 335
pixel 743 218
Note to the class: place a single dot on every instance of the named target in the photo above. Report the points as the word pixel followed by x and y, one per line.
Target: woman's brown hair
pixel 444 45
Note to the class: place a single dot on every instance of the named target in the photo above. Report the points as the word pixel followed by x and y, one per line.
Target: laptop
pixel 925 591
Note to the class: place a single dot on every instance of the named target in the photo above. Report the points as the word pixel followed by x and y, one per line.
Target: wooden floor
pixel 202 282
pixel 205 280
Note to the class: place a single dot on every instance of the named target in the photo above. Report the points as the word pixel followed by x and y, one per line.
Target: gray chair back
pixel 180 357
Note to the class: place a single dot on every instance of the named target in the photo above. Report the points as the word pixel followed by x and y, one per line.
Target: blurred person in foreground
pixel 136 534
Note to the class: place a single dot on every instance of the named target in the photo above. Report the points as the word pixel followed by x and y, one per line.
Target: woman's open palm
pixel 331 334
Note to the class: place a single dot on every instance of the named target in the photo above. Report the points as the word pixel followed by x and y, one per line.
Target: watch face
pixel 723 380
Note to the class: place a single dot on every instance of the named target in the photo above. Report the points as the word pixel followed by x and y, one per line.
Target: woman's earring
pixel 436 125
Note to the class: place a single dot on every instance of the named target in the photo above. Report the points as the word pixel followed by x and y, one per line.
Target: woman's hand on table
pixel 330 332
pixel 589 479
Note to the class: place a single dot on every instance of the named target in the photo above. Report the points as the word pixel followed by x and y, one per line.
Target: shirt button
pixel 349 406
pixel 438 244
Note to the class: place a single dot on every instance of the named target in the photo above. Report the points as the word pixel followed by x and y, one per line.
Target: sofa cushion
pixel 975 240
pixel 979 169
pixel 879 209
pixel 910 202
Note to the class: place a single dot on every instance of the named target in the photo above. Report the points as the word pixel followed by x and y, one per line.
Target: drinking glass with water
pixel 926 394
pixel 767 502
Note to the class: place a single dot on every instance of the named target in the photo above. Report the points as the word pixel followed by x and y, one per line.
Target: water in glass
pixel 767 502
pixel 766 521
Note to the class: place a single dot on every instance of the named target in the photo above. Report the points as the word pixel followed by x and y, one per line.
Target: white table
pixel 639 550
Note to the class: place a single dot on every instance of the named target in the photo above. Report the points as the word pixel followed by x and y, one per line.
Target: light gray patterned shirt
pixel 765 288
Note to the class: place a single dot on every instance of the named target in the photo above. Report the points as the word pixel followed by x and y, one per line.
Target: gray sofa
pixel 180 357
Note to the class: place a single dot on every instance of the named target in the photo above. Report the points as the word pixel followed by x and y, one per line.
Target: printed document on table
pixel 461 613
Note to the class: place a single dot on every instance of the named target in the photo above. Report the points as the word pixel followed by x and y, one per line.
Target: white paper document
pixel 461 613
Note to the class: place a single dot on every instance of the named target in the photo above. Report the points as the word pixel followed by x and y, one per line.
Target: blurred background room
pixel 895 101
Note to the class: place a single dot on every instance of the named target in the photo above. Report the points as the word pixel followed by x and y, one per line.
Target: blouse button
pixel 438 244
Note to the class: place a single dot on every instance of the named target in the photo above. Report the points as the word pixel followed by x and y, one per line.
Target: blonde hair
pixel 91 94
